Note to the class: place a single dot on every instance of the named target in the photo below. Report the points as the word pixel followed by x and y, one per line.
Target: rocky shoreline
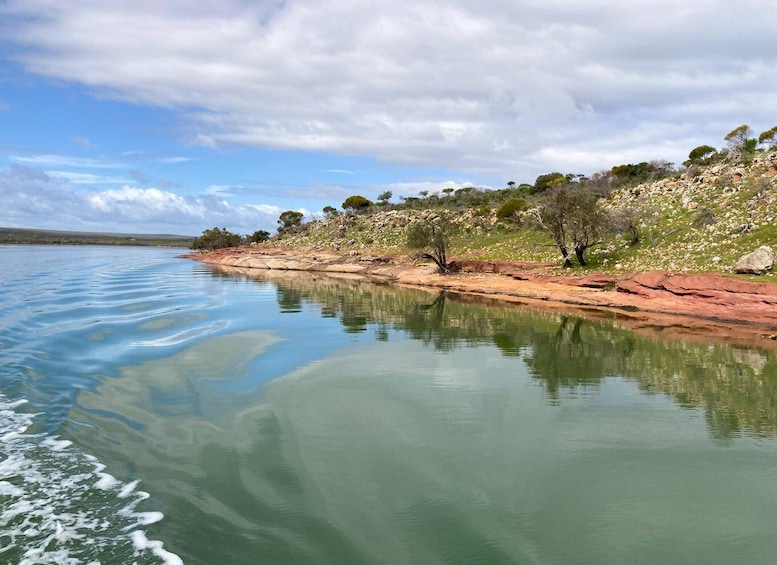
pixel 672 303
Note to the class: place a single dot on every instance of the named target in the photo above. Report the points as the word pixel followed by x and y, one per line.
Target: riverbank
pixel 672 303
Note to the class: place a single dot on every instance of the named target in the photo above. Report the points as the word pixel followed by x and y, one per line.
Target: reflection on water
pixel 736 386
pixel 306 419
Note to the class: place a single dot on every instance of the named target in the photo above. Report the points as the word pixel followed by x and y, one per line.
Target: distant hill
pixel 52 237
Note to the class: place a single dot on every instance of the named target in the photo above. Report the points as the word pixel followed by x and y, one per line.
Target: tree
pixel 216 238
pixel 701 155
pixel 740 142
pixel 601 183
pixel 547 180
pixel 628 219
pixel 769 138
pixel 384 197
pixel 289 220
pixel 330 212
pixel 259 236
pixel 432 242
pixel 356 203
pixel 572 217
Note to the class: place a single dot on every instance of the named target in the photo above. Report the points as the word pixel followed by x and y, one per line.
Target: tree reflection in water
pixel 736 386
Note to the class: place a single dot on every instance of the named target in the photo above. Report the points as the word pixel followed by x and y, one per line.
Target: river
pixel 153 410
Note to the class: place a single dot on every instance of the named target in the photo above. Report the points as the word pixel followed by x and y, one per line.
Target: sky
pixel 175 116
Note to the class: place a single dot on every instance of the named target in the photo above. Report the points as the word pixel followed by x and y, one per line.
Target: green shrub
pixel 483 211
pixel 510 208
pixel 216 238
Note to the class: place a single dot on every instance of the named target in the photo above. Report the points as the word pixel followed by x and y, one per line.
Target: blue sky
pixel 169 116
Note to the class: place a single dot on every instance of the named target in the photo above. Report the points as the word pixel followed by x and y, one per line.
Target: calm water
pixel 154 411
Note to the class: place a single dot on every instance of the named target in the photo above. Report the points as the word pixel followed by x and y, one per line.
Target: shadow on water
pixel 735 385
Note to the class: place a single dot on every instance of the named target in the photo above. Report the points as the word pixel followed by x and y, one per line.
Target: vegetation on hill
pixel 700 216
pixel 20 236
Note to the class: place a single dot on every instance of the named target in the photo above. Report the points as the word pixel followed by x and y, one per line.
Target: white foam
pixel 127 489
pixel 55 444
pixel 141 542
pixel 59 505
pixel 106 482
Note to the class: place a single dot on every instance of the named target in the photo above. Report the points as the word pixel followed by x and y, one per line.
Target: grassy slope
pixel 672 239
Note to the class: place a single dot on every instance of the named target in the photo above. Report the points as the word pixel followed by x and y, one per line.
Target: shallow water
pixel 217 419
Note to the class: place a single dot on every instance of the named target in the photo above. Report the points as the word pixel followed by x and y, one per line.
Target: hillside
pixel 21 236
pixel 699 220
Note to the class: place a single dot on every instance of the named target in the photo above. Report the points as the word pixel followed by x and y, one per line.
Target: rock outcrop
pixel 679 300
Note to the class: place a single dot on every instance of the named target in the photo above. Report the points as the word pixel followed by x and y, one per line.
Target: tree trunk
pixel 579 252
pixel 565 254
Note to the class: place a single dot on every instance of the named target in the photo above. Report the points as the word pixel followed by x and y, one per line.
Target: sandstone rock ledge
pixel 675 303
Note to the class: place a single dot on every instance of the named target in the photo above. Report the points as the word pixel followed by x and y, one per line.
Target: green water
pixel 315 420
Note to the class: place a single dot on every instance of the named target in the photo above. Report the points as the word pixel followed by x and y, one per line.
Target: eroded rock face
pixel 701 299
pixel 758 262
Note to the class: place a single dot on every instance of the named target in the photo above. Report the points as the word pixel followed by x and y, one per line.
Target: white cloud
pixel 31 197
pixel 485 87
pixel 173 160
pixel 86 178
pixel 83 142
pixel 65 161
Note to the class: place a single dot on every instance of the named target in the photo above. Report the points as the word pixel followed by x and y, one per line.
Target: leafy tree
pixel 384 197
pixel 356 203
pixel 432 242
pixel 289 220
pixel 259 236
pixel 701 155
pixel 216 238
pixel 630 173
pixel 510 207
pixel 769 138
pixel 447 191
pixel 572 217
pixel 330 212
pixel 740 142
pixel 547 180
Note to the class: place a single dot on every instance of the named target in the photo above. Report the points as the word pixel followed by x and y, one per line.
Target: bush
pixel 703 217
pixel 259 236
pixel 216 238
pixel 510 207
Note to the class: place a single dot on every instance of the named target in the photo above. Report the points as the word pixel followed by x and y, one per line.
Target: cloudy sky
pixel 174 116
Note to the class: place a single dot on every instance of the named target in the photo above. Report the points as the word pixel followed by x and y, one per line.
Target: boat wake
pixel 57 505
